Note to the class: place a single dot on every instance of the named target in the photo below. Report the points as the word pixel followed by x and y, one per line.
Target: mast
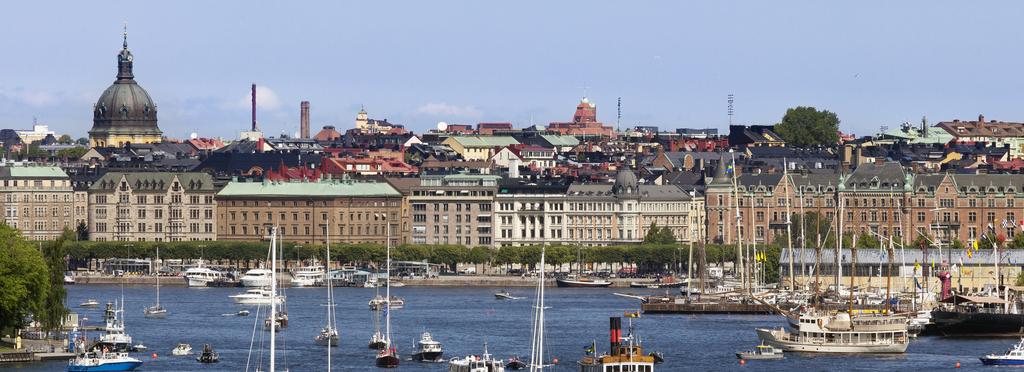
pixel 803 228
pixel 839 242
pixel 387 290
pixel 537 345
pixel 789 228
pixel 739 262
pixel 853 273
pixel 273 296
pixel 689 266
pixel 330 298
pixel 888 279
pixel 158 278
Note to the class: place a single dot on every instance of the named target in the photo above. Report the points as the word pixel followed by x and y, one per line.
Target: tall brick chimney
pixel 304 120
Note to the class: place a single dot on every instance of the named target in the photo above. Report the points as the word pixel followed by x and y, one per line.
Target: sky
pixel 673 63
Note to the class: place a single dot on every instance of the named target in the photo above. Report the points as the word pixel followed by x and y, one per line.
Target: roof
pixel 158 182
pixel 560 140
pixel 974 299
pixel 484 141
pixel 320 189
pixel 32 172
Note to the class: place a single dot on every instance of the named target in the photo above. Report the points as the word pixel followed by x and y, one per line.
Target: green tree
pixel 65 139
pixel 72 153
pixel 52 316
pixel 24 285
pixel 479 255
pixel 867 240
pixel 82 141
pixel 806 126
pixel 659 235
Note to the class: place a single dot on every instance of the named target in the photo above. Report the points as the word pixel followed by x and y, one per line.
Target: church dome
pixel 625 182
pixel 125 108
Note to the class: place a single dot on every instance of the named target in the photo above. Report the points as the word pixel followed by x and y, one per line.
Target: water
pixel 462 319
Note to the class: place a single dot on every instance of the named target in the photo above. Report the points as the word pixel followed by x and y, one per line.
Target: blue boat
pixel 1013 357
pixel 99 361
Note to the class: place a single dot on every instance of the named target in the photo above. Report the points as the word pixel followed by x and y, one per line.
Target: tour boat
pixel 308 276
pixel 256 278
pixel 1012 357
pixel 840 333
pixel 182 350
pixel 628 356
pixel 427 349
pixel 101 361
pixel 208 355
pixel 388 357
pixel 582 282
pixel 256 297
pixel 761 352
pixel 199 276
pixel 90 303
pixel 476 363
pixel 378 302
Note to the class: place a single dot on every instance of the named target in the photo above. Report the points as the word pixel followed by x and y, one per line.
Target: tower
pixel 124 113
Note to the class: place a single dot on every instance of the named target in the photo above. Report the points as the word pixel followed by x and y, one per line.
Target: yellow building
pixel 124 112
pixel 478 147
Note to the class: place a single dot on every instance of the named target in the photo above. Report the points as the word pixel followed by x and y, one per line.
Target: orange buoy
pixel 958 364
pixel 743 362
pixel 554 361
pixel 154 355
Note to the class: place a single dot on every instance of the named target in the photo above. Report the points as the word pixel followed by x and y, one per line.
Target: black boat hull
pixel 430 356
pixel 567 283
pixel 388 361
pixel 974 324
pixel 377 345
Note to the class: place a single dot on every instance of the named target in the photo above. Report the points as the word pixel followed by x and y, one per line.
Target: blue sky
pixel 419 62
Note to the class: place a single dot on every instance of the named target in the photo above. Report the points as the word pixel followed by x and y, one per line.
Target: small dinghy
pixel 208 355
pixel 761 352
pixel 1012 357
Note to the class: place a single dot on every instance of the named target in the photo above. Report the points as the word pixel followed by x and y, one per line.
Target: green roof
pixel 484 141
pixel 321 189
pixel 36 172
pixel 560 140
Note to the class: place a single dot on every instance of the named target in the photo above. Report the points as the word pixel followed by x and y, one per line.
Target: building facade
pixel 39 201
pixel 152 206
pixel 310 212
pixel 453 209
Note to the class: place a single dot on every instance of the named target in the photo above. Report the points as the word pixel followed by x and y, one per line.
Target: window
pixel 920 216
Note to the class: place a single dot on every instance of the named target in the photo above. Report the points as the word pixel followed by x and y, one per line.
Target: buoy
pixel 154 355
pixel 743 362
pixel 554 361
pixel 958 364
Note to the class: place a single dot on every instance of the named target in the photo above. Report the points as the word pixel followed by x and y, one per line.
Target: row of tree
pixel 31 281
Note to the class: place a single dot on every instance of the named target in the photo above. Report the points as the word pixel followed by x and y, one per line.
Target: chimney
pixel 614 334
pixel 304 120
pixel 253 107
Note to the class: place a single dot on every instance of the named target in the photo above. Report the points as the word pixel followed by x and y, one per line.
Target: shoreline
pixel 441 281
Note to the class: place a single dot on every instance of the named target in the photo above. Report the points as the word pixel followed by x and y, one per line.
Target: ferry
pixel 308 276
pixel 1012 357
pixel 476 363
pixel 628 356
pixel 839 333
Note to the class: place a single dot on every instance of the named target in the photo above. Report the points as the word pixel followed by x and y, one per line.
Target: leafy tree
pixel 23 279
pixel 449 255
pixel 659 235
pixel 65 139
pixel 806 126
pixel 52 316
pixel 72 153
pixel 82 230
pixel 479 255
pixel 867 240
pixel 82 141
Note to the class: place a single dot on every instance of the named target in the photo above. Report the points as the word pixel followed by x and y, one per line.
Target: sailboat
pixel 388 357
pixel 156 311
pixel 273 310
pixel 537 344
pixel 328 336
pixel 377 341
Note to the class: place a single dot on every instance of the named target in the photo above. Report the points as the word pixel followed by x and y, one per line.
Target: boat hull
pixel 428 356
pixel 114 366
pixel 753 356
pixel 769 338
pixel 255 282
pixel 568 283
pixel 989 361
pixel 388 361
pixel 961 324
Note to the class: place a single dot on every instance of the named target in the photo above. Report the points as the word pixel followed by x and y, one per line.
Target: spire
pixel 720 177
pixel 124 59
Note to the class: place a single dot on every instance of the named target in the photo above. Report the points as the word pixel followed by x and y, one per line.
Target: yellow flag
pixel 975 245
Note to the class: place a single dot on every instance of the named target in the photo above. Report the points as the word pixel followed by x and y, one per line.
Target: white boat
pixel 114 338
pixel 839 333
pixel 427 349
pixel 156 311
pixel 1012 357
pixel 257 296
pixel 199 276
pixel 182 350
pixel 506 295
pixel 100 361
pixel 92 303
pixel 69 280
pixel 761 352
pixel 476 363
pixel 308 276
pixel 378 302
pixel 256 278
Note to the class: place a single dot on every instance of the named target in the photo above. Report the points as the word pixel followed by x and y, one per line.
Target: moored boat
pixel 840 333
pixel 200 276
pixel 476 363
pixel 256 278
pixel 308 276
pixel 378 302
pixel 1012 357
pixel 582 282
pixel 761 352
pixel 103 361
pixel 427 349
pixel 208 355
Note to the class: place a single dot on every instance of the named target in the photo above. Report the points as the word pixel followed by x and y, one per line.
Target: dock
pixel 704 308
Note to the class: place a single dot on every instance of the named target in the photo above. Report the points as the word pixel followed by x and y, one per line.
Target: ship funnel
pixel 614 334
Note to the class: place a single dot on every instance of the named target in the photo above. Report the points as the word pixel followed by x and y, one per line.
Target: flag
pixel 970 253
pixel 975 244
pixel 916 283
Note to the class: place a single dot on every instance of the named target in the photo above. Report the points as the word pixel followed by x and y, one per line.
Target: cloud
pixel 31 98
pixel 265 99
pixel 444 109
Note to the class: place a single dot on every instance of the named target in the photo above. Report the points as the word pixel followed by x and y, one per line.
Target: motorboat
pixel 256 297
pixel 761 352
pixel 69 280
pixel 841 333
pixel 476 363
pixel 280 322
pixel 378 302
pixel 515 364
pixel 140 347
pixel 506 295
pixel 114 339
pixel 1012 357
pixel 182 350
pixel 256 278
pixel 90 303
pixel 625 353
pixel 103 361
pixel 224 282
pixel 308 276
pixel 239 313
pixel 919 323
pixel 208 355
pixel 200 276
pixel 427 349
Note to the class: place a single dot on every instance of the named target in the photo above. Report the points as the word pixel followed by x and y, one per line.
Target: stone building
pixel 39 201
pixel 453 209
pixel 124 113
pixel 152 206
pixel 310 212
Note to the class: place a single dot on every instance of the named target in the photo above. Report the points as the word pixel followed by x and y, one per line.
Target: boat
pixel 506 295
pixel 69 280
pixel 256 297
pixel 90 303
pixel 224 282
pixel 378 302
pixel 427 349
pixel 328 335
pixel 975 316
pixel 255 349
pixel 200 276
pixel 841 333
pixel 139 347
pixel 476 363
pixel 919 323
pixel 388 357
pixel 1012 357
pixel 308 276
pixel 582 282
pixel 761 352
pixel 156 311
pixel 281 321
pixel 182 350
pixel 208 355
pixel 103 361
pixel 377 341
pixel 239 313
pixel 515 364
pixel 622 356
pixel 667 282
pixel 256 278
pixel 114 339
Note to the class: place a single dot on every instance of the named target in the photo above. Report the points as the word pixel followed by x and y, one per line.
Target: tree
pixel 23 279
pixel 82 230
pixel 659 235
pixel 72 153
pixel 64 139
pixel 52 316
pixel 82 141
pixel 479 255
pixel 806 126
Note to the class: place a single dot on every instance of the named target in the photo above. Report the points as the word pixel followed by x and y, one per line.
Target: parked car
pixel 468 271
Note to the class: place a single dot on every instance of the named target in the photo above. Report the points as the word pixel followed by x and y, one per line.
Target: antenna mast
pixel 731 99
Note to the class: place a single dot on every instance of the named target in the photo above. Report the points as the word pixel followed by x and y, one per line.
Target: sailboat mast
pixel 273 296
pixel 537 346
pixel 739 265
pixel 387 291
pixel 789 227
pixel 330 297
pixel 158 278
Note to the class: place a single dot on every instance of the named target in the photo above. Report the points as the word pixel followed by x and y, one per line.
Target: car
pixel 468 271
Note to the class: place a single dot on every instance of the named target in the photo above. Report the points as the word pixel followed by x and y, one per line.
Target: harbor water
pixel 463 319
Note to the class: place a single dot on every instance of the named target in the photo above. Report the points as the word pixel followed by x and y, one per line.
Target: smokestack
pixel 253 107
pixel 304 120
pixel 614 334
